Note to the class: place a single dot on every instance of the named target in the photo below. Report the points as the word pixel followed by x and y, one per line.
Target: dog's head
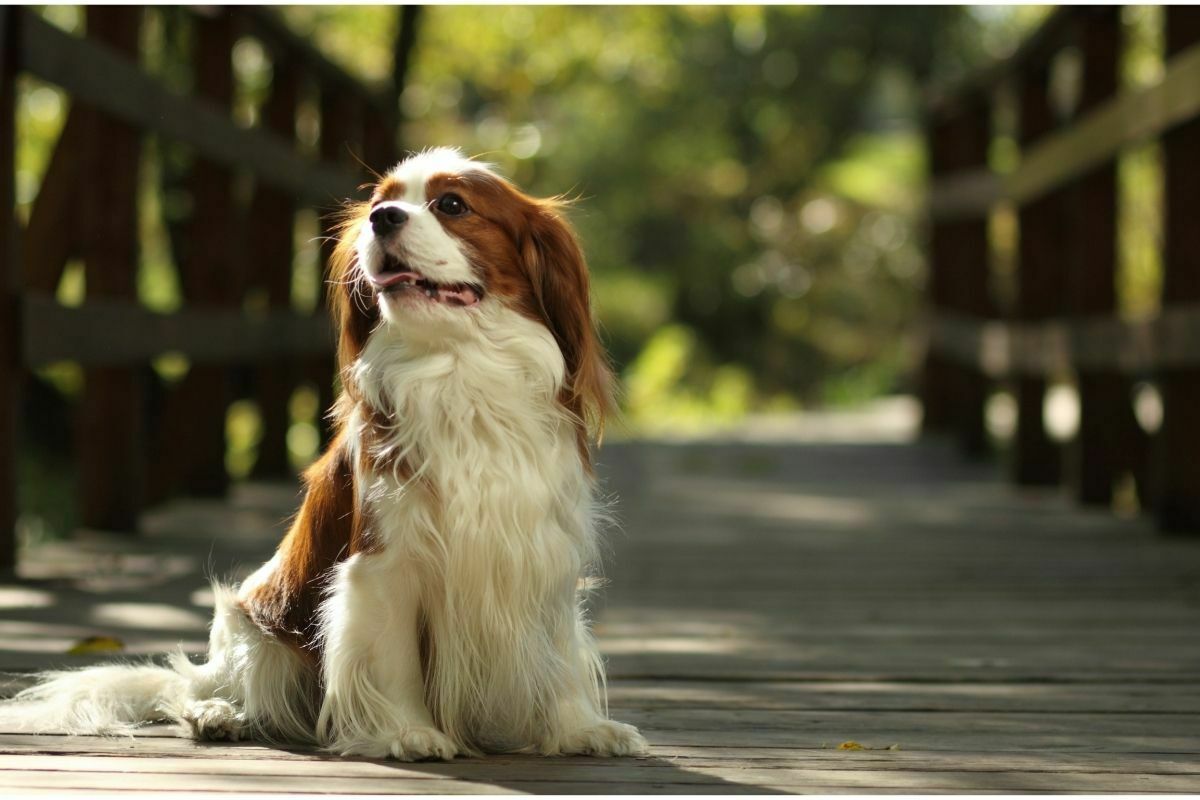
pixel 446 245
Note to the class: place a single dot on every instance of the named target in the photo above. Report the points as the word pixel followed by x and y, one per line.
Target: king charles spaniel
pixel 427 600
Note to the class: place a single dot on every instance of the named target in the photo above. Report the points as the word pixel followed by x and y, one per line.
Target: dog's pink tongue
pixel 386 279
pixel 463 296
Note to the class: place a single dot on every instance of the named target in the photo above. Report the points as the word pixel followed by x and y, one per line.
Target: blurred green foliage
pixel 749 178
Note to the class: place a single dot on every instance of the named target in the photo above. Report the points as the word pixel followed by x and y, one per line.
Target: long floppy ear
pixel 559 277
pixel 351 308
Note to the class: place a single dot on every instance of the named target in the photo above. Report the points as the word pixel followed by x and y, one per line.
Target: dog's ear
pixel 353 311
pixel 558 275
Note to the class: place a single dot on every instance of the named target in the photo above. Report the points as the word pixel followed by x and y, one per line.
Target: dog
pixel 428 598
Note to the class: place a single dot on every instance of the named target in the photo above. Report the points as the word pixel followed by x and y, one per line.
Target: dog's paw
pixel 607 738
pixel 214 720
pixel 421 744
pixel 415 743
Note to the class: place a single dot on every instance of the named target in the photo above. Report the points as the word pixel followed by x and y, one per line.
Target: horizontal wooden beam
pixel 1001 349
pixel 108 333
pixel 966 194
pixel 1093 140
pixel 96 75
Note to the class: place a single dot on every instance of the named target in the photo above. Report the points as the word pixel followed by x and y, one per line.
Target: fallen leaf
pixel 96 644
pixel 850 746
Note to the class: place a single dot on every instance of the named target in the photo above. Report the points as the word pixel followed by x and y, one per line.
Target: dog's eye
pixel 451 205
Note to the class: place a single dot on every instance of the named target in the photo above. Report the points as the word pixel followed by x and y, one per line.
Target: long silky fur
pixel 498 521
pixel 429 598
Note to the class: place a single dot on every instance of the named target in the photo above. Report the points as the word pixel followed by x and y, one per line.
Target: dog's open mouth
pixel 396 277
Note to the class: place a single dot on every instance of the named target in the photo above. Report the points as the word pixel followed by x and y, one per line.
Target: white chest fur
pixel 495 525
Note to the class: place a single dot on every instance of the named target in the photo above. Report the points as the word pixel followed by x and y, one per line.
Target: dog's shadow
pixel 583 775
pixel 527 774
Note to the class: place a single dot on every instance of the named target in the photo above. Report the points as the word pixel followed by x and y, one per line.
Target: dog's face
pixel 445 247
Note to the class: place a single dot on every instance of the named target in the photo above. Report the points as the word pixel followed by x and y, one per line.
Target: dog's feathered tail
pixel 260 686
pixel 105 700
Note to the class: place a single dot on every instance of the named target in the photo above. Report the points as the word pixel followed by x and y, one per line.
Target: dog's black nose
pixel 386 219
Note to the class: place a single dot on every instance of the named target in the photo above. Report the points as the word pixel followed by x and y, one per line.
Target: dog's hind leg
pixel 214 719
pixel 252 685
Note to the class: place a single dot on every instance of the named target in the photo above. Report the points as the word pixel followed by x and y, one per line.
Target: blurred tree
pixel 751 173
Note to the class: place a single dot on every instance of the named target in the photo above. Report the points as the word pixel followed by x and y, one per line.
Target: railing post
pixel 273 223
pixel 969 291
pixel 1177 473
pixel 1036 459
pixel 955 394
pixel 110 418
pixel 1109 439
pixel 49 244
pixel 339 115
pixel 936 395
pixel 10 324
pixel 193 435
pixel 379 140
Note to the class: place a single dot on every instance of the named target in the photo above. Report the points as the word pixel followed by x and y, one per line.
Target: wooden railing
pixel 1063 321
pixel 87 208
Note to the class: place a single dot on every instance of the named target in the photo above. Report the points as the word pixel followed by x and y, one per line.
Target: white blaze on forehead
pixel 415 171
pixel 422 244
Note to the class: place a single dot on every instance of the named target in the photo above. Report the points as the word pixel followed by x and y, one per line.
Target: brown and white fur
pixel 426 600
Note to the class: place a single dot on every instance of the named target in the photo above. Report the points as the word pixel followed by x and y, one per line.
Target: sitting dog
pixel 426 601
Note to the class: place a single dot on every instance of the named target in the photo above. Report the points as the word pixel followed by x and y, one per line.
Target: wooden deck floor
pixel 768 603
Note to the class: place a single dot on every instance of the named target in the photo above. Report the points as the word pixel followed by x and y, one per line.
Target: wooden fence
pixel 129 455
pixel 1063 319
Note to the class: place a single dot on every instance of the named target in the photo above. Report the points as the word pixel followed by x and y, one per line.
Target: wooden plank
pixel 687 756
pixel 110 436
pixel 1097 137
pixel 363 777
pixel 90 782
pixel 947 697
pixel 94 74
pixel 1177 467
pixel 10 331
pixel 120 333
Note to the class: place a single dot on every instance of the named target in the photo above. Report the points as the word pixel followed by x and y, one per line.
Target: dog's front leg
pixel 578 723
pixel 374 703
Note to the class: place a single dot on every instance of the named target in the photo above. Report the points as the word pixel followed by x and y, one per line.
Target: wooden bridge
pixel 773 607
pixel 830 603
